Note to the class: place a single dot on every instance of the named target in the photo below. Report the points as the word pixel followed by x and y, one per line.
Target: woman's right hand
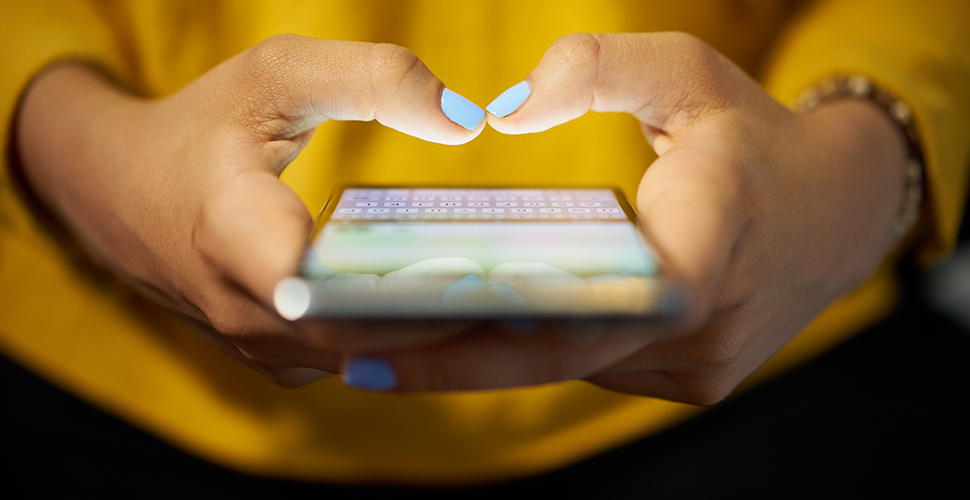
pixel 181 197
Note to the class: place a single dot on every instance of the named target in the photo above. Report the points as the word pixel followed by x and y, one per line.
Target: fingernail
pixel 508 294
pixel 292 298
pixel 510 100
pixel 461 110
pixel 370 374
pixel 467 285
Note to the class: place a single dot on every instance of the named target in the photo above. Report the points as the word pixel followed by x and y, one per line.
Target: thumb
pixel 674 84
pixel 300 82
pixel 253 230
pixel 252 227
pixel 692 208
pixel 667 80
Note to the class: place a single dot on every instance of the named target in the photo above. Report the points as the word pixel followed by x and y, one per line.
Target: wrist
pixel 894 111
pixel 72 132
pixel 855 168
pixel 71 119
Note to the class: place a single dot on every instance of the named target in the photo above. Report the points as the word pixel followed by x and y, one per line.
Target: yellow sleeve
pixel 919 51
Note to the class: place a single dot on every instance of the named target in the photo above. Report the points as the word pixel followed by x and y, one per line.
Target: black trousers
pixel 889 411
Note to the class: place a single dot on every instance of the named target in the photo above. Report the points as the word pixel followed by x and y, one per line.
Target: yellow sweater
pixel 99 340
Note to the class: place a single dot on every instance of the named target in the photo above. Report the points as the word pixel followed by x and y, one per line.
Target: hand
pixel 180 195
pixel 766 216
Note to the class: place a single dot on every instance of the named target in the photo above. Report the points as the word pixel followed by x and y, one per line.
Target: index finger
pixel 281 89
pixel 297 83
pixel 666 80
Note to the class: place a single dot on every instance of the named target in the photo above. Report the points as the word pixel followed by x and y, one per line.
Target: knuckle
pixel 269 67
pixel 391 66
pixel 697 55
pixel 688 43
pixel 699 69
pixel 580 52
pixel 272 54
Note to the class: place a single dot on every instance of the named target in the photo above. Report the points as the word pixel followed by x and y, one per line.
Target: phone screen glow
pixel 398 252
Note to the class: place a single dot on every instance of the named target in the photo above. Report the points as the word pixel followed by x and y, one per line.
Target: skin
pixel 767 216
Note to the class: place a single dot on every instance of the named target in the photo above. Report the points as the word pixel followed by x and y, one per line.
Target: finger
pixel 703 372
pixel 666 80
pixel 253 232
pixel 302 82
pixel 690 201
pixel 250 234
pixel 657 384
pixel 488 359
pixel 252 228
pixel 256 336
pixel 354 336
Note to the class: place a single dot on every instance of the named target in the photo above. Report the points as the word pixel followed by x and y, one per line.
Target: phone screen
pixel 380 252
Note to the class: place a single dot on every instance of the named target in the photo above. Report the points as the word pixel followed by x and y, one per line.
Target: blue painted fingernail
pixel 371 374
pixel 510 100
pixel 467 285
pixel 461 110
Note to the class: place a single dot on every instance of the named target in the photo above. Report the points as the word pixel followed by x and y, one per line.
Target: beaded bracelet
pixel 859 87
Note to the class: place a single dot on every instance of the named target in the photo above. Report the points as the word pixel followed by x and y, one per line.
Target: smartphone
pixel 455 252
